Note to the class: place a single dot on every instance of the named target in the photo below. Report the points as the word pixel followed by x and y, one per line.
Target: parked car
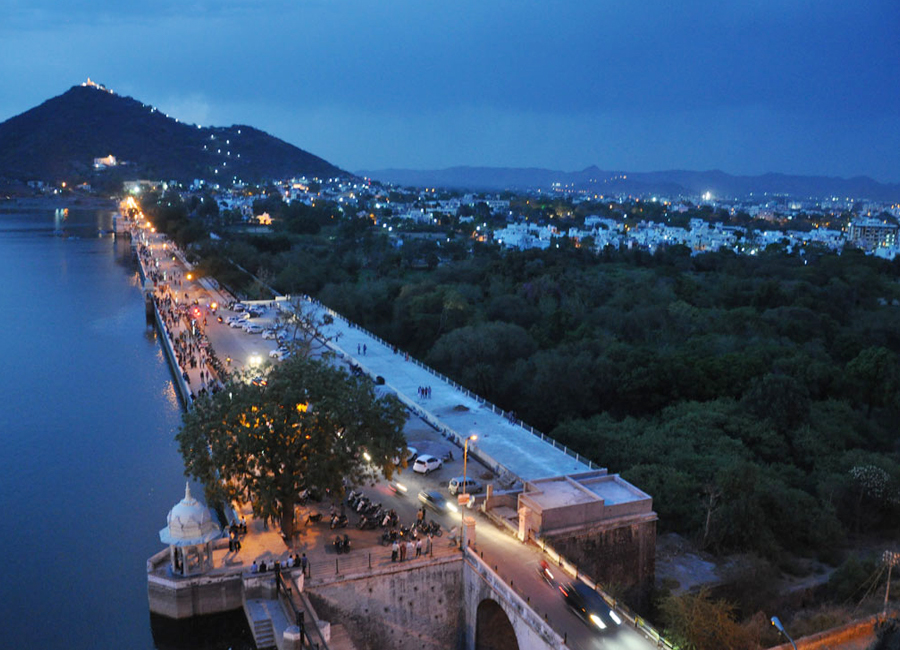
pixel 238 306
pixel 471 486
pixel 589 606
pixel 411 456
pixel 436 501
pixel 237 322
pixel 268 334
pixel 426 463
pixel 253 328
pixel 280 353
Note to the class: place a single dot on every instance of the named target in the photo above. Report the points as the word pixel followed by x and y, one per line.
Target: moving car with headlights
pixel 589 606
pixel 436 501
pixel 427 463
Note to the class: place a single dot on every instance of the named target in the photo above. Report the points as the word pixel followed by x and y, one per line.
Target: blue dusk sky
pixel 746 86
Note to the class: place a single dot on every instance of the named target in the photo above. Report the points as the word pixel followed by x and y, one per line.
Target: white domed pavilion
pixel 189 534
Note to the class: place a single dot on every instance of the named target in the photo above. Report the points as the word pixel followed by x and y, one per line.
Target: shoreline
pixel 56 202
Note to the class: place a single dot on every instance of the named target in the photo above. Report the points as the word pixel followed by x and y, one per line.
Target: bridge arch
pixel 493 629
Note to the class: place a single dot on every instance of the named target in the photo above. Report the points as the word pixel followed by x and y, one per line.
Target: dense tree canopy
pixel 754 397
pixel 312 424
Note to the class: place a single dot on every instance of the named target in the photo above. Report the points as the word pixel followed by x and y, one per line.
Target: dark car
pixel 436 501
pixel 589 606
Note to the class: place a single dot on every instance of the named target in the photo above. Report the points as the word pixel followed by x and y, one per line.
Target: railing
pixel 633 618
pixel 299 615
pixel 541 624
pixel 373 558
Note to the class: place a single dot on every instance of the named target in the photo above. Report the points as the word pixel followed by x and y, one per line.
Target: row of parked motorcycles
pixel 399 533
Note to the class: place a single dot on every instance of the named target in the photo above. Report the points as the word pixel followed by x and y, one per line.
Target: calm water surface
pixel 89 463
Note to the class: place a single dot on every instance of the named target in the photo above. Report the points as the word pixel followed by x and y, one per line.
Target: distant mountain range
pixel 60 139
pixel 666 183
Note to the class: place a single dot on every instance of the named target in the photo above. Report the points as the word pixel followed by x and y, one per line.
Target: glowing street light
pixel 464 497
pixel 778 626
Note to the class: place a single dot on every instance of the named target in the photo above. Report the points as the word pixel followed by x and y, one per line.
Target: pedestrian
pixel 402 552
pixel 254 568
pixel 410 549
pixel 395 551
pixel 428 543
pixel 418 547
pixel 364 349
pixel 304 563
pixel 357 348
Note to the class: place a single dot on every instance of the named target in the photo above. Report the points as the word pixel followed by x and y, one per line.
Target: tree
pixel 873 372
pixel 698 622
pixel 312 424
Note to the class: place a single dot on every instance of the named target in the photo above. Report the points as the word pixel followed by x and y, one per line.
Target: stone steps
pixel 260 619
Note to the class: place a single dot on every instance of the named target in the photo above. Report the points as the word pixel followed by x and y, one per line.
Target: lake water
pixel 90 467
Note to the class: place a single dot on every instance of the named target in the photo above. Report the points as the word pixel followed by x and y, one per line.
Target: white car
pixel 269 334
pixel 253 328
pixel 470 486
pixel 425 464
pixel 280 354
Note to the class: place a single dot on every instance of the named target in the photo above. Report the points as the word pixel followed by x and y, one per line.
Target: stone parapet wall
pixel 186 597
pixel 620 555
pixel 402 608
pixel 857 635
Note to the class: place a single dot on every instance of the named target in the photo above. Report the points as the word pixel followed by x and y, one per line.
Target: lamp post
pixel 778 626
pixel 464 501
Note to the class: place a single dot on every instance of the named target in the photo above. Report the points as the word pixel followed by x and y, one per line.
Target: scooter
pixel 339 521
pixel 544 571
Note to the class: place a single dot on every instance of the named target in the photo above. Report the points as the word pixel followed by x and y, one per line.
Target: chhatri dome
pixel 189 523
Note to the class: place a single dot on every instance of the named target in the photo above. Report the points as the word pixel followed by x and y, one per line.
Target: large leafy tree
pixel 312 424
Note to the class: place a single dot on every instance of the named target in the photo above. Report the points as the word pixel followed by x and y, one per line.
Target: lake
pixel 90 463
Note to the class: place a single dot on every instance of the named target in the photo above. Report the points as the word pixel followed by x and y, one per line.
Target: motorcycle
pixel 544 571
pixel 339 521
pixel 353 498
pixel 338 544
pixel 367 522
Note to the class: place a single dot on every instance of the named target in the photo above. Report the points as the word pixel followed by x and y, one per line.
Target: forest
pixel 754 397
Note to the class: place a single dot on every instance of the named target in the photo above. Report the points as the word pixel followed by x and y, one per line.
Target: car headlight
pixel 615 617
pixel 596 620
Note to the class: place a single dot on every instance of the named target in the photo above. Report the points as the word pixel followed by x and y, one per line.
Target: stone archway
pixel 493 630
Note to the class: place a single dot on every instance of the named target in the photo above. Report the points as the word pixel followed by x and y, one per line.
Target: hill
pixel 665 183
pixel 60 139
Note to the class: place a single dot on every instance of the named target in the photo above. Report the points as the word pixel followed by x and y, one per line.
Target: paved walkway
pixel 501 444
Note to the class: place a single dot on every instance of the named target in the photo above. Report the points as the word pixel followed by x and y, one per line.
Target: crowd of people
pixel 184 326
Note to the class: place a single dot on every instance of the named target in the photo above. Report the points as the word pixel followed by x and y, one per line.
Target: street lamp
pixel 780 628
pixel 464 500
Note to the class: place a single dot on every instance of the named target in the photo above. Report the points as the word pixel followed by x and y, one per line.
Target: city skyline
pixel 747 88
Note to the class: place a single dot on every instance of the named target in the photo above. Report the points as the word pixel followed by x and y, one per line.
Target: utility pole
pixel 890 558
